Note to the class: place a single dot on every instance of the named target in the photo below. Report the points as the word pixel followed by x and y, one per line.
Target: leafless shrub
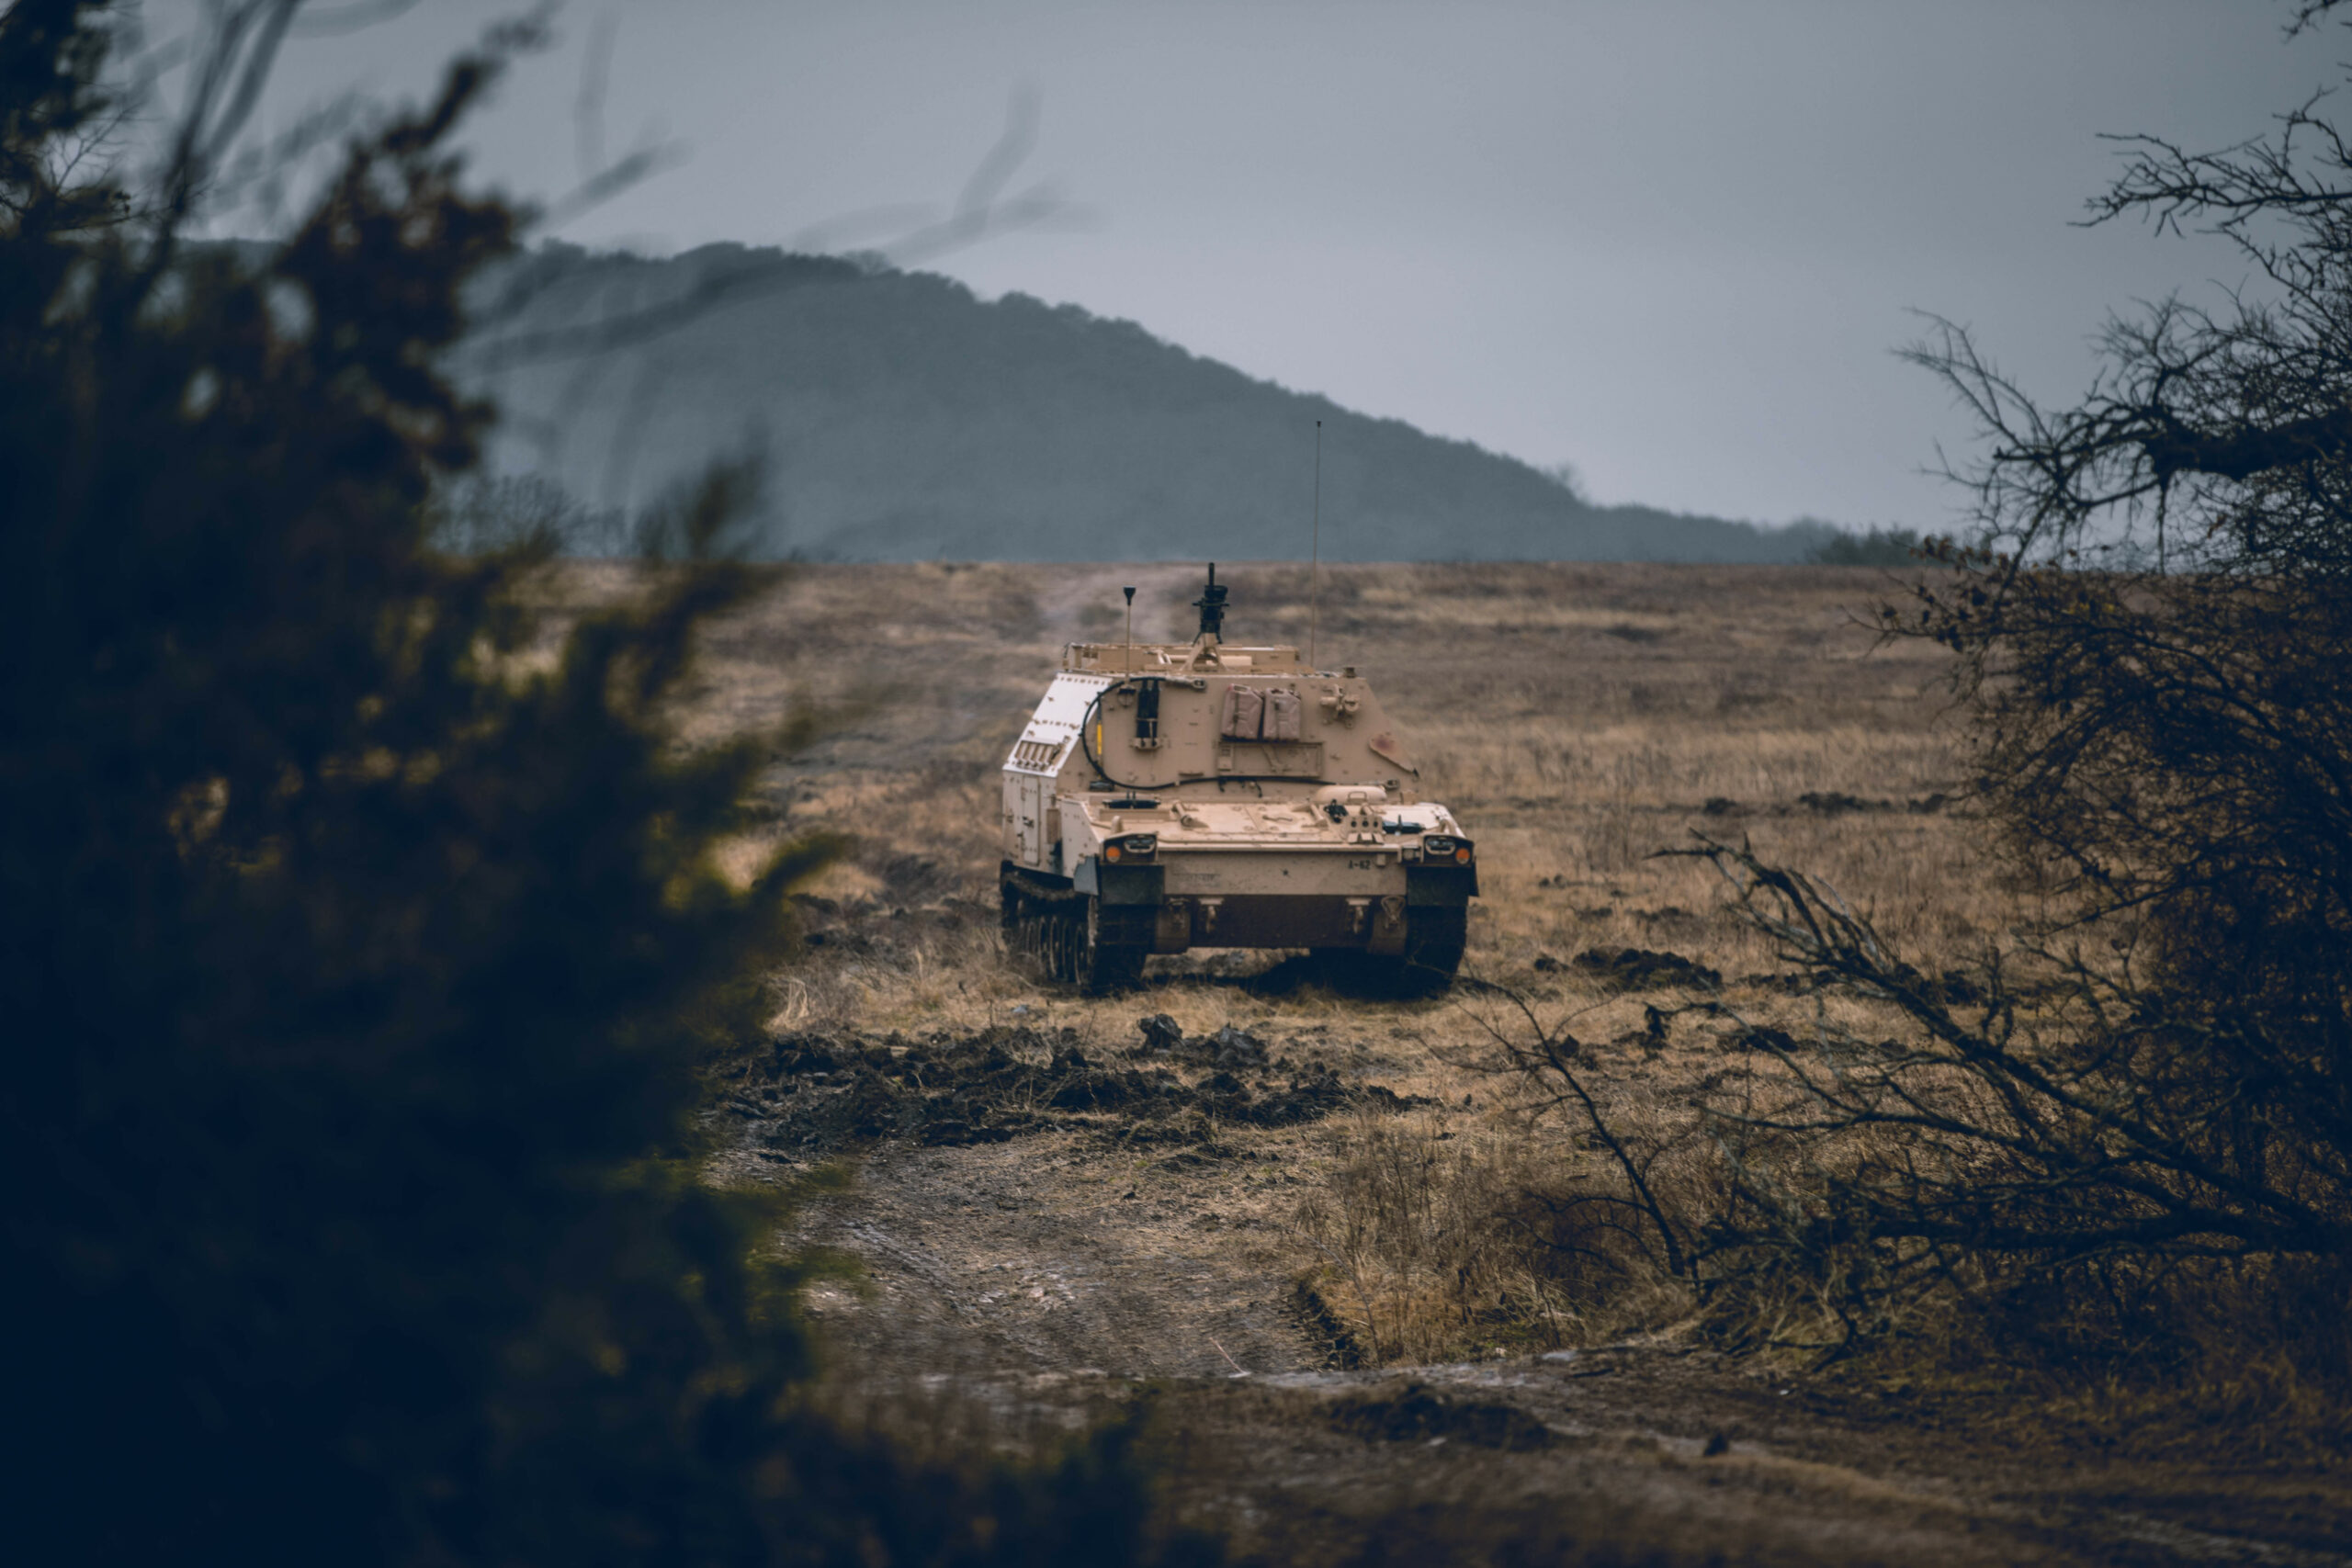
pixel 2083 1152
pixel 2145 1121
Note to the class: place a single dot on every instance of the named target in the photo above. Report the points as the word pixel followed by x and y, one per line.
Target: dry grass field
pixel 1579 719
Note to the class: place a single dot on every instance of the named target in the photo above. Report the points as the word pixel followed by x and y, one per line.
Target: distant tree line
pixel 1875 546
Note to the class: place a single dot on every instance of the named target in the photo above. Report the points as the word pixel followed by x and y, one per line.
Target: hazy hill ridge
pixel 906 419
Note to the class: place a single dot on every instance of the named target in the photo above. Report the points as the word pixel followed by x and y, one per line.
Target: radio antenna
pixel 1315 548
pixel 1130 628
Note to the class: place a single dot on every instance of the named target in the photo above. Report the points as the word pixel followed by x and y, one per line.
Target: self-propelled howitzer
pixel 1166 796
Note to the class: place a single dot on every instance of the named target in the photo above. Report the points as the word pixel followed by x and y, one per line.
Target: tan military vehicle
pixel 1167 797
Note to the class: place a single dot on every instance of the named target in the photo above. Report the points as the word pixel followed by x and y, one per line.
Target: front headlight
pixel 1445 847
pixel 1131 847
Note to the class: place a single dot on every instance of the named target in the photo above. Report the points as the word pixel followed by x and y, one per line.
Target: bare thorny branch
pixel 2238 420
pixel 2067 1122
pixel 1549 1058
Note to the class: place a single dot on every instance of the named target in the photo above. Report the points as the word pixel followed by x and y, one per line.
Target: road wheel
pixel 1053 931
pixel 1035 936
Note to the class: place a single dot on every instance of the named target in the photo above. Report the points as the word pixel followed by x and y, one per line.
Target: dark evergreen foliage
pixel 357 963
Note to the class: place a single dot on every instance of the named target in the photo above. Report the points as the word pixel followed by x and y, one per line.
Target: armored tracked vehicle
pixel 1167 797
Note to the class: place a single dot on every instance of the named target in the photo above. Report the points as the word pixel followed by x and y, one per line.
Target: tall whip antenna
pixel 1314 549
pixel 1130 628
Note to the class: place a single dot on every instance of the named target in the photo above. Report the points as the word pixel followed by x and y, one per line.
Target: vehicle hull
pixel 1169 796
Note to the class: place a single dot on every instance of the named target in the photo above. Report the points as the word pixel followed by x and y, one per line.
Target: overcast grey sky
pixel 1672 243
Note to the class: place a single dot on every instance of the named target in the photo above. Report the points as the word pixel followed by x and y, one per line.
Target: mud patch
pixel 1228 1047
pixel 813 1094
pixel 1836 803
pixel 1639 969
pixel 1417 1413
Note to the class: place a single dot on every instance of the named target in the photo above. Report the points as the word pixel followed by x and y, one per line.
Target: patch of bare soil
pixel 1047 1232
pixel 1024 1205
pixel 1658 1453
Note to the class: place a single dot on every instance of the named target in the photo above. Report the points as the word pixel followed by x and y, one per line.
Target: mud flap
pixel 1172 930
pixel 1440 887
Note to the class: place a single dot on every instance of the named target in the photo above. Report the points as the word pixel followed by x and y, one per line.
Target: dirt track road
pixel 1025 1276
pixel 1026 1256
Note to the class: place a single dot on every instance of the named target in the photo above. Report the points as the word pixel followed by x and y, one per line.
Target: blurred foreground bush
pixel 357 958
